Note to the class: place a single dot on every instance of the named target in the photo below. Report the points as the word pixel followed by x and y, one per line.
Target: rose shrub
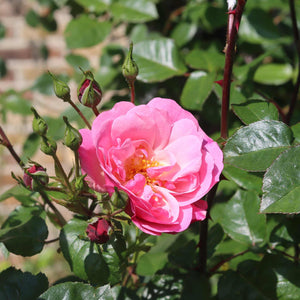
pixel 159 156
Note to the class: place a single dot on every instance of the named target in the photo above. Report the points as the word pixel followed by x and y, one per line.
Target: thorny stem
pixel 218 265
pixel 297 44
pixel 204 231
pixel 80 113
pixel 59 166
pixel 5 142
pixel 233 22
pixel 95 110
pixel 61 220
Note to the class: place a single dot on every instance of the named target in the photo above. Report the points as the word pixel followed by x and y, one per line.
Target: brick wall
pixel 20 48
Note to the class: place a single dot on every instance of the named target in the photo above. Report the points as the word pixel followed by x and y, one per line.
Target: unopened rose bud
pixel 39 177
pixel 89 92
pixel 39 125
pixel 130 69
pixel 61 89
pixel 48 146
pixel 98 231
pixel 72 138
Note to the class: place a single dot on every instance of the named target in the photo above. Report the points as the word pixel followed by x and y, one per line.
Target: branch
pixel 234 18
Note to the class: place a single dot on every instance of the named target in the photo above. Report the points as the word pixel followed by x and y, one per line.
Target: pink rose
pixel 159 156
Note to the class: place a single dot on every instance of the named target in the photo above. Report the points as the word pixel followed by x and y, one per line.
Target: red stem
pixel 297 44
pixel 233 21
pixel 5 142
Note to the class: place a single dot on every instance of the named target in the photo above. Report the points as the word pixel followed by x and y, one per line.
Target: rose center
pixel 139 165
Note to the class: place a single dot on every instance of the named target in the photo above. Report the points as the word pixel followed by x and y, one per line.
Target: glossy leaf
pixel 255 110
pixel 256 146
pixel 275 277
pixel 85 32
pixel 183 33
pixel 197 89
pixel 273 74
pixel 210 59
pixel 158 60
pixel 244 179
pixel 281 184
pixel 14 284
pixel 77 61
pixel 156 258
pixel 24 231
pixel 240 219
pixel 258 27
pixel 133 11
pixel 76 291
pixel 85 258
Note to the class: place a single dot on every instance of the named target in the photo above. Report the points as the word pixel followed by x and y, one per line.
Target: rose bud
pixel 89 92
pixel 129 68
pixel 39 125
pixel 48 146
pixel 98 231
pixel 38 173
pixel 61 89
pixel 72 138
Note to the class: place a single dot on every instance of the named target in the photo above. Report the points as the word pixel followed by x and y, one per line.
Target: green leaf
pixel 296 132
pixel 2 30
pixel 14 102
pixel 183 33
pixel 255 110
pixel 20 193
pixel 244 179
pixel 210 59
pixel 76 291
pixel 197 89
pixel 258 27
pixel 281 184
pixel 256 146
pixel 95 5
pixel 84 32
pixel 273 74
pixel 133 11
pixel 30 147
pixel 77 61
pixel 14 284
pixel 24 231
pixel 156 258
pixel 240 219
pixel 158 60
pixel 85 258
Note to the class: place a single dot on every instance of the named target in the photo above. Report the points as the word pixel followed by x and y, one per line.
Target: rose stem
pixel 51 241
pixel 132 92
pixel 59 166
pixel 297 44
pixel 61 220
pixel 80 113
pixel 204 231
pixel 229 56
pixel 95 110
pixel 5 142
pixel 218 265
pixel 76 163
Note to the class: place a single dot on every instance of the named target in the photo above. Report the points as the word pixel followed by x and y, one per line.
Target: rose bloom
pixel 159 156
